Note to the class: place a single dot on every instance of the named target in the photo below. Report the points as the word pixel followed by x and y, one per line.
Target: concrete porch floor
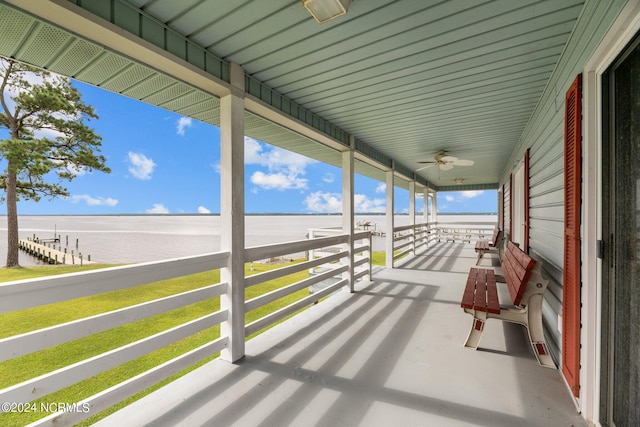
pixel 390 354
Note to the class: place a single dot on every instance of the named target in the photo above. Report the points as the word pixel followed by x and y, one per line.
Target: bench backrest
pixel 494 239
pixel 516 268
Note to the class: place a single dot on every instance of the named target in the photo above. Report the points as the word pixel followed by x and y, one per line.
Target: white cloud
pixel 281 159
pixel 71 168
pixel 470 194
pixel 322 202
pixel 77 171
pixel 274 158
pixel 328 177
pixel 363 204
pixel 278 181
pixel 158 208
pixel 381 188
pixel 141 166
pixel 203 210
pixel 284 168
pixel 461 196
pixel 252 151
pixel 94 201
pixel 183 123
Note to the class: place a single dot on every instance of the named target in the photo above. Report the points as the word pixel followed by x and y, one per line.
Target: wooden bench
pixel 495 245
pixel 526 287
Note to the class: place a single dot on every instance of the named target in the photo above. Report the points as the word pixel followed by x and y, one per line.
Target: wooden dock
pixel 50 255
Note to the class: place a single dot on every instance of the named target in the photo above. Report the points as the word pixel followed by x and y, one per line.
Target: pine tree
pixel 49 141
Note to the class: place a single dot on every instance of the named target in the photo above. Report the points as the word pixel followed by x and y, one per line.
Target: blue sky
pixel 162 162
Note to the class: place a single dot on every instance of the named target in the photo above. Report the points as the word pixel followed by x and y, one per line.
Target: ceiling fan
pixel 445 162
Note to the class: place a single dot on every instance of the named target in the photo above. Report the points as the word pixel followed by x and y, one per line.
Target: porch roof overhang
pixel 401 79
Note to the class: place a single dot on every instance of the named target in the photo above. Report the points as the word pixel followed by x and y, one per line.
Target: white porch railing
pixel 37 292
pixel 31 293
pixel 318 256
pixel 362 249
pixel 463 232
pixel 409 238
pixel 329 260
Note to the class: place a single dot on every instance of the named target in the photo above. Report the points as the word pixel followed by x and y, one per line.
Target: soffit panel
pixel 406 77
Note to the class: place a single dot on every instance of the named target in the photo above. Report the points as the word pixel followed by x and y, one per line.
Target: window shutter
pixel 501 208
pixel 510 206
pixel 502 205
pixel 525 243
pixel 571 268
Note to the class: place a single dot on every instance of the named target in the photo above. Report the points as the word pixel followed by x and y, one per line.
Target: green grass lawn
pixel 29 366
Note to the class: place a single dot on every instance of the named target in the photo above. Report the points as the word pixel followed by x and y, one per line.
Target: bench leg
pixel 477 326
pixel 536 332
pixel 480 255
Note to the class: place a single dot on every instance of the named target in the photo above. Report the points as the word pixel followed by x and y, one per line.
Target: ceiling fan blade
pixel 462 162
pixel 424 167
pixel 448 159
pixel 446 166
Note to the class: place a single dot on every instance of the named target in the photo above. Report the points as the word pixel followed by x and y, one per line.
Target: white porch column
pixel 425 202
pixel 425 216
pixel 232 213
pixel 389 220
pixel 434 214
pixel 434 207
pixel 412 214
pixel 348 208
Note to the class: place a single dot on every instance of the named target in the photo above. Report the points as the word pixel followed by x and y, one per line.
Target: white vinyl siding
pixel 544 136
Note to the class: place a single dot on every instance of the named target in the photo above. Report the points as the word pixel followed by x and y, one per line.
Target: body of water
pixel 114 239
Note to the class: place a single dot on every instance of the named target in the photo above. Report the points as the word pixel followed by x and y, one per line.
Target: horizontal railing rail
pixel 25 294
pixel 407 239
pixel 325 253
pixel 280 314
pixel 464 232
pixel 30 342
pixel 333 258
pixel 54 381
pixel 32 293
pixel 277 250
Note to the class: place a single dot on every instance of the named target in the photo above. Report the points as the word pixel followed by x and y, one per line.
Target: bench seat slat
pixel 482 245
pixel 480 302
pixel 493 304
pixel 480 292
pixel 469 290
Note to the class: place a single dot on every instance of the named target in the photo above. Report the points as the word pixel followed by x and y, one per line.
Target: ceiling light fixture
pixel 459 181
pixel 325 10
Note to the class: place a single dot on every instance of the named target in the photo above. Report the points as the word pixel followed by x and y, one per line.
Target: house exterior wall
pixel 544 136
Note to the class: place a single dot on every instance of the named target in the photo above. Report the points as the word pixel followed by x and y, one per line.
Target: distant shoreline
pixel 259 214
pixel 131 238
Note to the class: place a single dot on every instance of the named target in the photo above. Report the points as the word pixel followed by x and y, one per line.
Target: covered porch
pixel 392 90
pixel 389 354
